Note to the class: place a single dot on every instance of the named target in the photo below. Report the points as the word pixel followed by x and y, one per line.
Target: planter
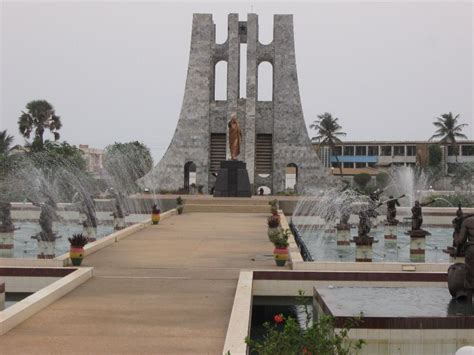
pixel 155 218
pixel 281 256
pixel 179 209
pixel 76 254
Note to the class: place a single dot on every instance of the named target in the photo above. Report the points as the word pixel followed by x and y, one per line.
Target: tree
pixel 5 143
pixel 463 175
pixel 362 180
pixel 126 163
pixel 40 116
pixel 449 130
pixel 328 131
pixel 435 156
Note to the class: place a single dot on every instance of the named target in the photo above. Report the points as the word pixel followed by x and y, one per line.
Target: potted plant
pixel 179 205
pixel 274 227
pixel 76 253
pixel 280 241
pixel 155 214
pixel 273 206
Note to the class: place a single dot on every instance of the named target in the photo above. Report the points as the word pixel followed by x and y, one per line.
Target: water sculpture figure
pixel 461 275
pixel 46 237
pixel 88 216
pixel 118 214
pixel 7 229
pixel 390 234
pixel 417 234
pixel 456 254
pixel 363 240
pixel 343 228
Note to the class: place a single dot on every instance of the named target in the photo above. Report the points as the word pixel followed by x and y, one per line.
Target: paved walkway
pixel 167 289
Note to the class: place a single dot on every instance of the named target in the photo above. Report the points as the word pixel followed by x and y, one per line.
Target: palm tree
pixel 5 143
pixel 449 130
pixel 40 116
pixel 328 131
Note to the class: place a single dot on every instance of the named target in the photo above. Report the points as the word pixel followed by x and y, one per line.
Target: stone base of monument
pixel 417 244
pixel 454 257
pixel 364 250
pixel 232 180
pixel 390 235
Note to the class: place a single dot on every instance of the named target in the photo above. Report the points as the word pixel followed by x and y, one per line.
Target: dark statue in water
pixel 47 216
pixel 6 225
pixel 417 215
pixel 392 204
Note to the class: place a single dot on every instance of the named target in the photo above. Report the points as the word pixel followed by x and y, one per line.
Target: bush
pixel 286 337
pixel 382 179
pixel 362 180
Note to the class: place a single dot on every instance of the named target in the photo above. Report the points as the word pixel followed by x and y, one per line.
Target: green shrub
pixel 361 180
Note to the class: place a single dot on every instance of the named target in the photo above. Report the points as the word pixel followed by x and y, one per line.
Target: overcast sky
pixel 115 71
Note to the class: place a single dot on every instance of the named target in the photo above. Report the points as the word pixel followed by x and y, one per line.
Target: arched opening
pixel 263 190
pixel 189 176
pixel 265 82
pixel 220 81
pixel 291 176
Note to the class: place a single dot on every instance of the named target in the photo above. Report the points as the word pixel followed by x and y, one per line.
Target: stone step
pixel 228 201
pixel 226 208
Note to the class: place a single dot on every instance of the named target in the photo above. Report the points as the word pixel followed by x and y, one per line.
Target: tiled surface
pixel 167 289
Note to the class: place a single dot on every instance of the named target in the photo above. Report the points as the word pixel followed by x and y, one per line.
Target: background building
pixel 93 157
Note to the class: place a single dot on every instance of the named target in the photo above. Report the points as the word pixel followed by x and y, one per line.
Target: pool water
pixel 322 245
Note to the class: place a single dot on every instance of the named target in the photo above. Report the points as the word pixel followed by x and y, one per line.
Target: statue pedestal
pixel 454 258
pixel 343 236
pixel 417 245
pixel 390 235
pixel 232 180
pixel 364 250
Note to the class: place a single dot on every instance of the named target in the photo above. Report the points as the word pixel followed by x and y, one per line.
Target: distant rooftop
pixel 392 142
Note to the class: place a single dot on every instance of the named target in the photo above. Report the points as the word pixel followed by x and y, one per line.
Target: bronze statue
pixel 466 243
pixel 392 204
pixel 235 136
pixel 417 215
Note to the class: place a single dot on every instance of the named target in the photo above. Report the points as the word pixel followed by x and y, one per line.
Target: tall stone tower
pixel 274 132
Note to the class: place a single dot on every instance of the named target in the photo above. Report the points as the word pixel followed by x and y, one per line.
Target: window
pixel 361 150
pixel 291 176
pixel 399 150
pixel 335 165
pixel 453 150
pixel 411 150
pixel 220 81
pixel 265 81
pixel 467 150
pixel 374 151
pixel 338 150
pixel 349 150
pixel 348 165
pixel 361 165
pixel 371 165
pixel 386 150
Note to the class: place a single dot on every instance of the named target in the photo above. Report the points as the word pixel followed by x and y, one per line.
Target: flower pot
pixel 180 209
pixel 281 256
pixel 76 254
pixel 155 218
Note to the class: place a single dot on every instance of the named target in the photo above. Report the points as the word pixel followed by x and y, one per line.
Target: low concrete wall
pixel 19 312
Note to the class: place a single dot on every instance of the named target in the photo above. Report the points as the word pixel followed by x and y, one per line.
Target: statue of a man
pixel 235 135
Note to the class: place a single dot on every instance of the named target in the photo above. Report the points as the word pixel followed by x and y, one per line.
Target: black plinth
pixel 232 180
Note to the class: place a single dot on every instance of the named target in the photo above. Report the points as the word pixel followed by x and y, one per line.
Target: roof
pixel 389 142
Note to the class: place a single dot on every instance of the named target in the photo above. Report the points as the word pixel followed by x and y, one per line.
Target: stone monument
pixel 274 133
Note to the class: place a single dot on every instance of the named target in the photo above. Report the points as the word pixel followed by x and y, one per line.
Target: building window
pixel 338 150
pixel 348 165
pixel 399 150
pixel 335 165
pixel 361 150
pixel 453 150
pixel 349 150
pixel 467 150
pixel 361 165
pixel 371 165
pixel 412 165
pixel 386 150
pixel 411 150
pixel 374 151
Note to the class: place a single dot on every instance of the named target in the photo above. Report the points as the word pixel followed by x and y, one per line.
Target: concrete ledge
pixel 293 250
pixel 113 238
pixel 241 316
pixel 31 305
pixel 31 262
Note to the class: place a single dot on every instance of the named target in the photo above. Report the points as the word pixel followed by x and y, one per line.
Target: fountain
pixel 390 234
pixel 47 237
pixel 363 240
pixel 7 230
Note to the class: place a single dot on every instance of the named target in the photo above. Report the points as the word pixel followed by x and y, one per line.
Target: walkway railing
pixel 304 251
